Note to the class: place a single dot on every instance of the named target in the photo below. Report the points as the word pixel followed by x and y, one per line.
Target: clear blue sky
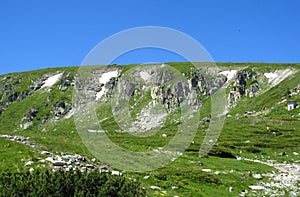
pixel 40 34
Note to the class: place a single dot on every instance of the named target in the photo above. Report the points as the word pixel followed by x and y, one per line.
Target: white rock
pixel 145 76
pixel 28 163
pixel 155 187
pixel 95 131
pixel 257 176
pixel 164 135
pixel 90 166
pixel 206 170
pixel 45 153
pixel 238 158
pixel 59 163
pixel 69 157
pixel 117 173
pixel 146 177
pixel 257 187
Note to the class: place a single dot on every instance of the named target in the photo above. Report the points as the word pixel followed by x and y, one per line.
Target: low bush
pixel 222 153
pixel 72 183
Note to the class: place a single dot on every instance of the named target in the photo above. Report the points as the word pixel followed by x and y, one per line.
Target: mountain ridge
pixel 255 103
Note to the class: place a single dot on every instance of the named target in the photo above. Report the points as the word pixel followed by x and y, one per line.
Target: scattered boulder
pixel 282 154
pixel 61 109
pixel 155 187
pixel 27 121
pixel 117 173
pixel 91 166
pixel 257 187
pixel 59 163
pixel 206 120
pixel 28 163
pixel 257 176
pixel 46 153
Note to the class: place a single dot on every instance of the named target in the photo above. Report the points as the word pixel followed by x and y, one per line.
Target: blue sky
pixel 41 34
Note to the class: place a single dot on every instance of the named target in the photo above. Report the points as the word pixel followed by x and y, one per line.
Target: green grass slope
pixel 262 136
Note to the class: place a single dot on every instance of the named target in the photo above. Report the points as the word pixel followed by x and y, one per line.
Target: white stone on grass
pixel 45 153
pixel 28 163
pixel 117 173
pixel 155 187
pixel 257 187
pixel 257 176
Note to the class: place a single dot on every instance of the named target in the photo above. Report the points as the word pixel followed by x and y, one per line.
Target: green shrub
pixel 220 152
pixel 253 150
pixel 72 183
pixel 209 179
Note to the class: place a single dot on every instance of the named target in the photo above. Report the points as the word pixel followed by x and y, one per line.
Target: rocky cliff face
pixel 245 84
pixel 157 85
pixel 152 92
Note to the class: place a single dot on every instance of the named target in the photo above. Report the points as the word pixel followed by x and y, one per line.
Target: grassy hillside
pixel 269 132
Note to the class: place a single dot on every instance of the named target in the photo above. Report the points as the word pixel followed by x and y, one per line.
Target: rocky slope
pixel 198 84
pixel 40 106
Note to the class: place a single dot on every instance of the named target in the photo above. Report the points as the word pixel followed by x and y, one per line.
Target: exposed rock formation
pixel 61 109
pixel 28 119
pixel 245 84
